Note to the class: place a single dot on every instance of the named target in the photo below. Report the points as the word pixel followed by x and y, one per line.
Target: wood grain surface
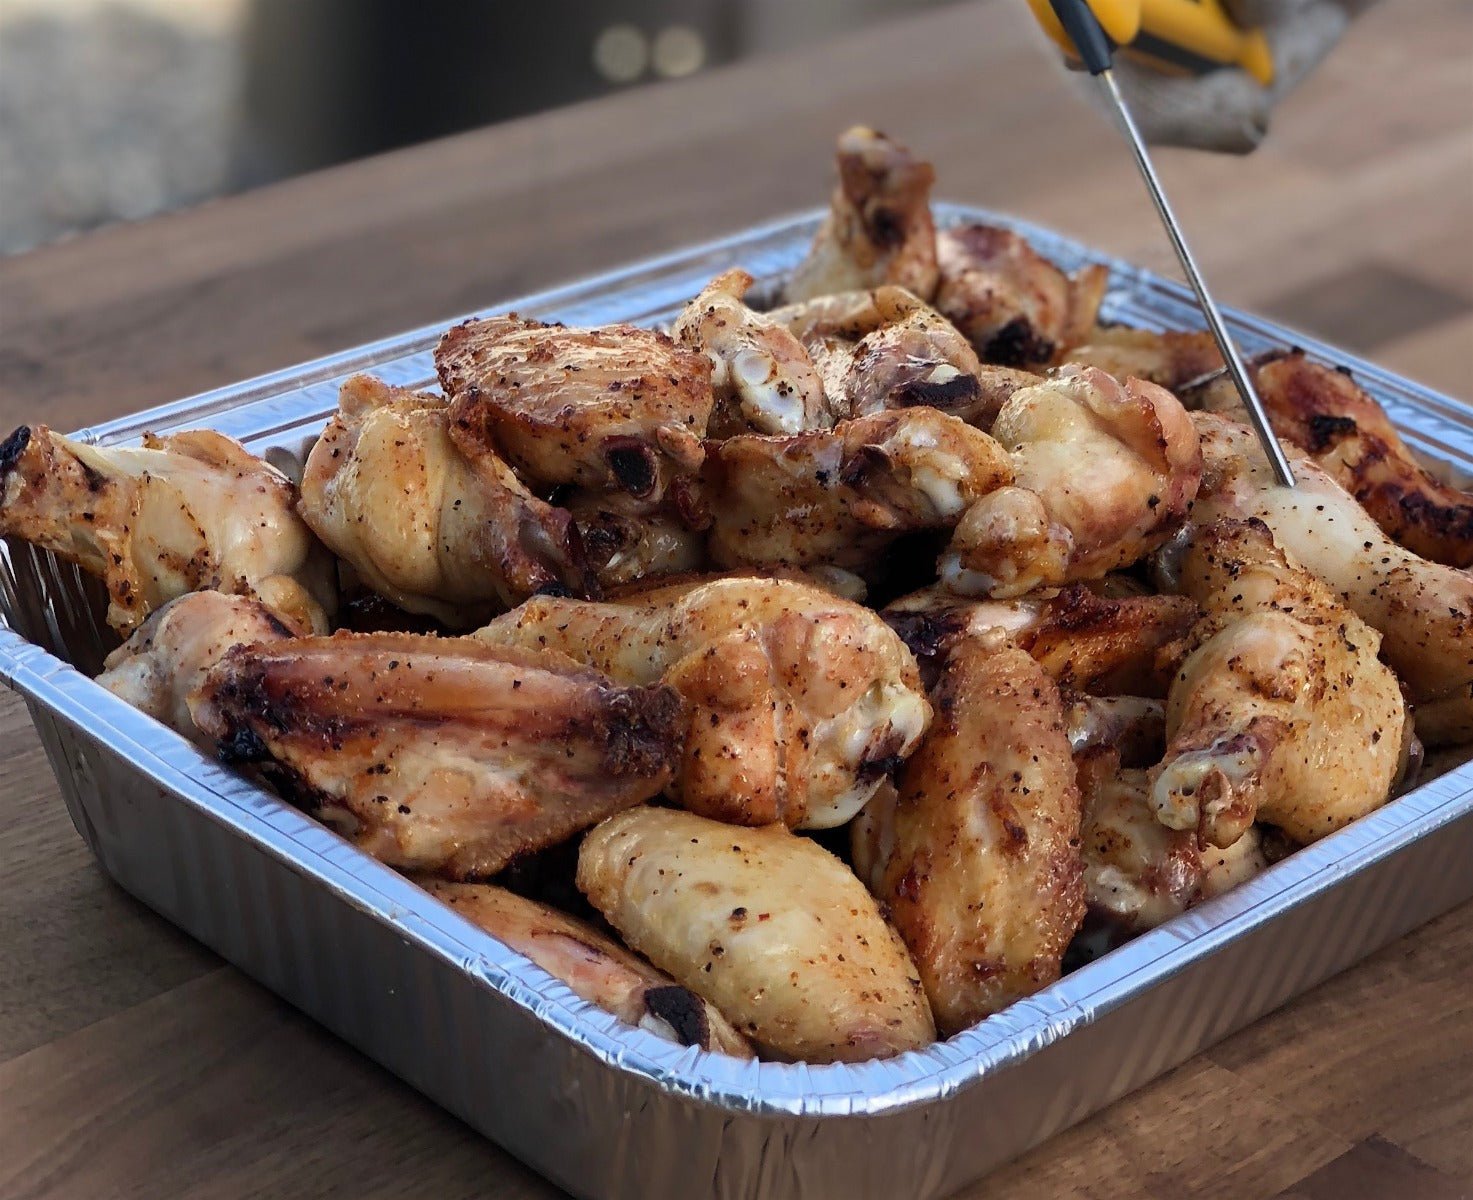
pixel 133 1063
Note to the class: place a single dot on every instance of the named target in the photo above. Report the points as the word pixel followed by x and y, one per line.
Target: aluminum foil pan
pixel 599 1107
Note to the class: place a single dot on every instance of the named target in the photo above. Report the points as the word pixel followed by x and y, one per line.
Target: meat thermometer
pixel 1075 24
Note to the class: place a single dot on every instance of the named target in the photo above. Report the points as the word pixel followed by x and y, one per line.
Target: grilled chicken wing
pixel 766 925
pixel 1105 472
pixel 440 754
pixel 624 541
pixel 977 856
pixel 840 497
pixel 763 378
pixel 798 701
pixel 1423 610
pixel 1328 414
pixel 879 227
pixel 179 514
pixel 1017 308
pixel 1282 711
pixel 437 532
pixel 1095 644
pixel 617 407
pixel 596 968
pixel 169 655
pixel 1170 359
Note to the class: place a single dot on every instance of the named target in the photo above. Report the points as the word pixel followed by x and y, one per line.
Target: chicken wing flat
pixel 1326 413
pixel 440 754
pixel 768 926
pixel 1105 472
pixel 625 541
pixel 762 376
pixel 1423 610
pixel 436 532
pixel 1095 644
pixel 1170 359
pixel 1281 712
pixel 178 514
pixel 617 407
pixel 1015 306
pixel 169 655
pixel 977 858
pixel 841 497
pixel 594 967
pixel 878 229
pixel 798 702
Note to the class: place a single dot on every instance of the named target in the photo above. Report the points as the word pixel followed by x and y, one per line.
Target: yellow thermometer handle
pixel 1180 36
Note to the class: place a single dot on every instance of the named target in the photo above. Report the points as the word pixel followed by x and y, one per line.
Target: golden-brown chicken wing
pixel 1328 414
pixel 617 407
pixel 879 227
pixel 977 858
pixel 841 496
pixel 762 376
pixel 436 532
pixel 179 514
pixel 596 968
pixel 1423 610
pixel 625 541
pixel 169 655
pixel 766 925
pixel 1017 308
pixel 440 754
pixel 1096 644
pixel 1282 711
pixel 1105 473
pixel 1169 359
pixel 798 702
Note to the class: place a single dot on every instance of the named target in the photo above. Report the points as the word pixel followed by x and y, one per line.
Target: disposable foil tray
pixel 607 1110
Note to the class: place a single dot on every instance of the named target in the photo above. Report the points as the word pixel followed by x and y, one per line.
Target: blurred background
pixel 115 109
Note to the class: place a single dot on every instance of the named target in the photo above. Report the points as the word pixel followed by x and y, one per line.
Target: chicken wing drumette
pixel 1282 711
pixel 453 536
pixel 595 967
pixel 763 377
pixel 1328 414
pixel 768 926
pixel 1105 472
pixel 1017 308
pixel 440 754
pixel 616 407
pixel 798 702
pixel 1170 359
pixel 975 854
pixel 879 227
pixel 841 497
pixel 1423 610
pixel 624 540
pixel 178 514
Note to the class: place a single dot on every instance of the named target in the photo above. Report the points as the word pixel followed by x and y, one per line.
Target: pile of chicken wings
pixel 806 682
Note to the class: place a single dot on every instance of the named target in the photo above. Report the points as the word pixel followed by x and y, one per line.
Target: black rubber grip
pixel 1084 30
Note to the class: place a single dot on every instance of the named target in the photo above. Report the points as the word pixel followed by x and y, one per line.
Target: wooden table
pixel 132 1062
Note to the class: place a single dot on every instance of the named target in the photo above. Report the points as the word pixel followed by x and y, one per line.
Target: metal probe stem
pixel 1233 360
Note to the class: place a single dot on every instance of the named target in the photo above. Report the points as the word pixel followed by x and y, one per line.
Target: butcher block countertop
pixel 133 1062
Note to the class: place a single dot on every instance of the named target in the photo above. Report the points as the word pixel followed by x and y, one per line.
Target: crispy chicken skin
pixel 762 376
pixel 1282 711
pixel 977 857
pixel 436 532
pixel 445 755
pixel 768 926
pixel 1170 359
pixel 1326 413
pixel 616 407
pixel 595 967
pixel 1423 610
pixel 1105 472
pixel 879 227
pixel 169 655
pixel 625 541
pixel 841 496
pixel 177 514
pixel 798 702
pixel 1015 306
